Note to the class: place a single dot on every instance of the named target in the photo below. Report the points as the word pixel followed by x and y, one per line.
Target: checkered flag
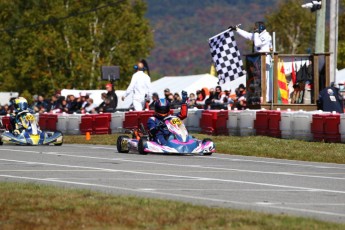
pixel 226 56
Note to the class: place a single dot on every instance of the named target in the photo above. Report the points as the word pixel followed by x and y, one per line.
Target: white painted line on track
pixel 271 205
pixel 179 176
pixel 231 158
pixel 180 165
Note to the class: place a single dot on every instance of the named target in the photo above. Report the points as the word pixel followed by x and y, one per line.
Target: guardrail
pixel 303 125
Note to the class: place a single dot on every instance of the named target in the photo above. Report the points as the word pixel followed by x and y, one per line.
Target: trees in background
pixel 341 38
pixel 294 27
pixel 50 45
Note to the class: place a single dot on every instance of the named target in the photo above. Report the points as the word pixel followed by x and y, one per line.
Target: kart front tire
pixel 141 145
pixel 203 141
pixel 121 146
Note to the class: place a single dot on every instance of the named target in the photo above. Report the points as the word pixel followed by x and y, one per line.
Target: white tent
pixel 190 83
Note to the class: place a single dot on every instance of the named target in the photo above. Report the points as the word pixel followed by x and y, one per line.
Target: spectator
pixel 191 100
pixel 54 105
pixel 202 96
pixel 177 101
pixel 91 107
pixel 330 99
pixel 167 93
pixel 154 98
pixel 241 99
pixel 208 101
pixel 218 99
pixel 82 101
pixel 101 107
pixel 41 105
pixel 111 95
pixel 140 87
pixel 63 106
pixel 227 100
pixel 3 110
pixel 72 104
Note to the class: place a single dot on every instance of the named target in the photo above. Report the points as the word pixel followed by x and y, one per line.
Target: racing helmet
pixel 20 104
pixel 260 26
pixel 162 107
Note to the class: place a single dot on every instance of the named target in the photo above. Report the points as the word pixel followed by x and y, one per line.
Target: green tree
pixel 294 27
pixel 49 45
pixel 341 37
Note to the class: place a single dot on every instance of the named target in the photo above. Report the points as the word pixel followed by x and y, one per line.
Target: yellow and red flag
pixel 283 91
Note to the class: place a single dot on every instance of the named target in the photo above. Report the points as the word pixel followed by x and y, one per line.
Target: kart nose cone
pixel 35 139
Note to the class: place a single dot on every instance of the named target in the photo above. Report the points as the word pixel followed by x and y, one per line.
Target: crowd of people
pixel 208 98
pixel 205 98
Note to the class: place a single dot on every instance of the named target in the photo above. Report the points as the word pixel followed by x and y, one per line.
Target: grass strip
pixel 33 206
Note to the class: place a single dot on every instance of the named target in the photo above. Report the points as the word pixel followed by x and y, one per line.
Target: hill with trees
pixel 182 29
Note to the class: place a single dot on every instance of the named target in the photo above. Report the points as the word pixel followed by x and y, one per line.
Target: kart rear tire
pixel 141 148
pixel 203 141
pixel 119 144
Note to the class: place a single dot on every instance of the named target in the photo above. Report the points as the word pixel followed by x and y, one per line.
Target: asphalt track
pixel 299 188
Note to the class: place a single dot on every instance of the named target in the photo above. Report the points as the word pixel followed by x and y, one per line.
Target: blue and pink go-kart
pixel 178 142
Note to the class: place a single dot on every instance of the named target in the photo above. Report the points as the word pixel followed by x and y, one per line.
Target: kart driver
pixel 20 105
pixel 157 128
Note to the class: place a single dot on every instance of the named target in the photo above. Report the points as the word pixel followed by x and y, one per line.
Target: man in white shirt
pixel 262 44
pixel 140 87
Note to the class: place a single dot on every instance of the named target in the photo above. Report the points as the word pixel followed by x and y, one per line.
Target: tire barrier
pixel 302 125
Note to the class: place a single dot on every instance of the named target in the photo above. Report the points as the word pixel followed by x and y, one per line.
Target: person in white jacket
pixel 139 87
pixel 262 44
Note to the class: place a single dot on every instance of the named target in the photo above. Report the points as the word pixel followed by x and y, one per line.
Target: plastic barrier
pixel 6 122
pixel 192 122
pixel 317 126
pixel 116 122
pixel 342 127
pixel 214 122
pixel 86 124
pixel 101 123
pixel 233 122
pixel 131 120
pixel 274 124
pixel 73 123
pixel 261 122
pixel 144 117
pixel 246 122
pixel 286 124
pixel 331 128
pixel 48 121
pixel 62 123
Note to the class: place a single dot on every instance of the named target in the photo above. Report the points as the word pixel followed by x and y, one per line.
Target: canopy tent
pixel 190 83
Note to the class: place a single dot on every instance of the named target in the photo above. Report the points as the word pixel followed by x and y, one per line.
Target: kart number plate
pixel 175 121
pixel 29 117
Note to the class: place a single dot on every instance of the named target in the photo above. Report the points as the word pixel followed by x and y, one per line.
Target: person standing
pixel 262 43
pixel 112 97
pixel 140 87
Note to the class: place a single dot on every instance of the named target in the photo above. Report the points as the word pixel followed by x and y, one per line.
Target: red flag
pixel 293 74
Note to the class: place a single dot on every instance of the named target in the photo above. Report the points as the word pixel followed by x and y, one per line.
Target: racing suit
pixel 262 44
pixel 140 87
pixel 16 124
pixel 157 128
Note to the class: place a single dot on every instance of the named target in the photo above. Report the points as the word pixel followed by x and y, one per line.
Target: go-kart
pixel 31 134
pixel 178 142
